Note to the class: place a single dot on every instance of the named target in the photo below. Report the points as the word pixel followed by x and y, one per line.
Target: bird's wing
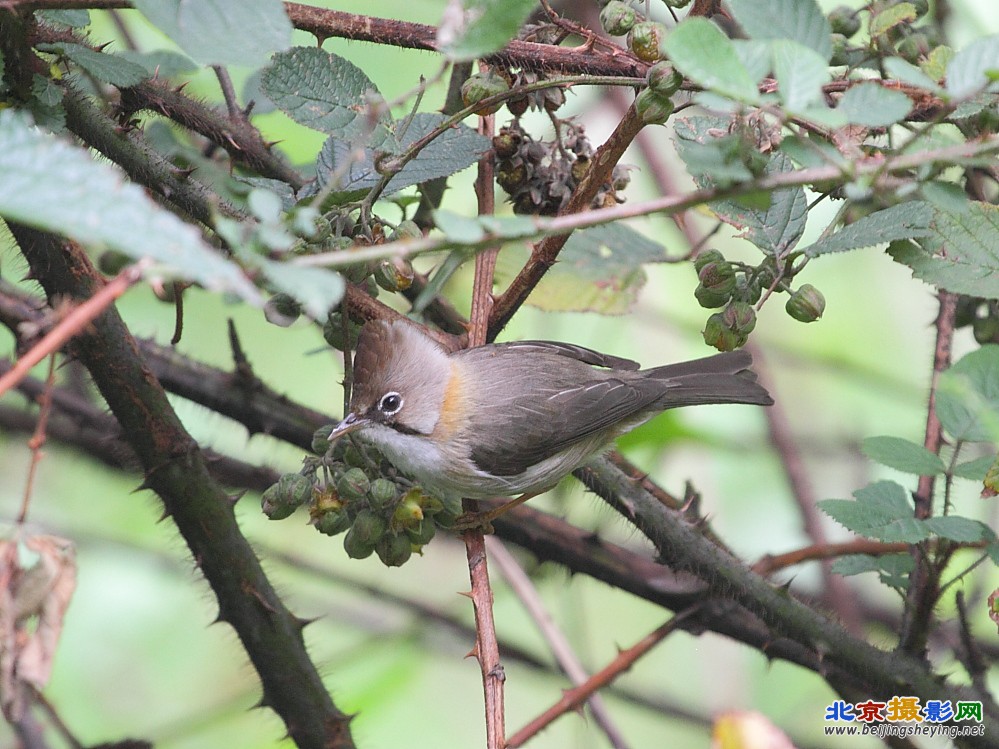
pixel 552 402
pixel 572 351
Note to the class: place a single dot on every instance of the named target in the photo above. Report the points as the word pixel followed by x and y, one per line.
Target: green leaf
pixel 873 105
pixel 459 229
pixel 599 270
pixel 881 511
pixel 317 289
pixel 960 253
pixel 800 74
pixel 888 17
pixel 893 569
pixel 325 92
pixel 704 54
pixel 976 469
pixel 800 21
pixel 974 68
pixel 903 455
pixel 906 72
pixel 164 63
pixel 903 221
pixel 710 159
pixel 53 186
pixel 107 68
pixel 962 530
pixel 455 149
pixel 74 19
pixel 967 400
pixel 222 32
pixel 476 28
pixel 777 226
pixel 756 56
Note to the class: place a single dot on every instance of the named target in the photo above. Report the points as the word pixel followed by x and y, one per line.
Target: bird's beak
pixel 350 423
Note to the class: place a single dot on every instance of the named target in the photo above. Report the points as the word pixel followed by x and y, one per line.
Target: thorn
pixel 302 622
pixel 467 594
pixel 181 87
pixel 102 47
pixel 142 487
pixel 183 173
pixel 473 653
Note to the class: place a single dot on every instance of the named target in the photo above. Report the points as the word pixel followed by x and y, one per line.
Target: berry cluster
pixel 350 489
pixel 737 287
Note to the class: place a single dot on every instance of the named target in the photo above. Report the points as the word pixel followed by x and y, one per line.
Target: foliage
pixel 804 134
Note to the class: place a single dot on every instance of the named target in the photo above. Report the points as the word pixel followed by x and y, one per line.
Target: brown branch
pixel 574 698
pixel 486 642
pixel 175 469
pixel 770 563
pixel 325 23
pixel 924 580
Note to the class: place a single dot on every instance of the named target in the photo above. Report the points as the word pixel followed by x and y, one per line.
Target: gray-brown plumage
pixel 515 417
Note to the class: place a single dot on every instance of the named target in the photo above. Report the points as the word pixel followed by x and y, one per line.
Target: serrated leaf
pixel 455 149
pixel 801 21
pixel 974 68
pixel 107 68
pixel 967 399
pixel 906 72
pixel 74 19
pixel 975 470
pixel 873 105
pixel 317 289
pixel 459 229
pixel 960 253
pixel 962 530
pixel 207 29
pixel 909 220
pixel 890 16
pixel 325 92
pixel 599 270
pixel 709 157
pixel 475 28
pixel 903 455
pixel 756 57
pixel 800 72
pixel 776 227
pixel 704 54
pixel 893 569
pixel 164 63
pixel 881 511
pixel 53 186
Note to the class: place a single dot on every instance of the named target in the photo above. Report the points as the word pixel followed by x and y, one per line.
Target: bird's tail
pixel 723 378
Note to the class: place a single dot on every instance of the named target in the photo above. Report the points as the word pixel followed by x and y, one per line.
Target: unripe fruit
pixel 617 18
pixel 354 484
pixel 332 522
pixel 282 310
pixel 664 79
pixel 423 533
pixel 806 304
pixel 717 277
pixel 394 550
pixel 716 333
pixel 708 256
pixel 321 439
pixel 647 40
pixel 368 527
pixel 355 547
pixel 653 108
pixel 382 492
pixel 844 20
pixel 481 86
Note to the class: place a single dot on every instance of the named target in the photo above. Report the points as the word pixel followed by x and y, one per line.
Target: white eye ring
pixel 390 403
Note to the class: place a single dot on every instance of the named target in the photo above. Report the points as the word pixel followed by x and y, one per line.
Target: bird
pixel 507 419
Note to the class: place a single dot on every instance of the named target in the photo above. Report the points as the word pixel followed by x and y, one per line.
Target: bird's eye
pixel 390 403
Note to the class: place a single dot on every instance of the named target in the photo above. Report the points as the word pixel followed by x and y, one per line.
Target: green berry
pixel 369 527
pixel 806 304
pixel 664 79
pixel 282 310
pixel 647 40
pixel 290 492
pixel 353 484
pixel 617 18
pixel 844 20
pixel 481 86
pixel 394 550
pixel 423 533
pixel 717 277
pixel 333 332
pixel 710 299
pixel 740 317
pixel 395 275
pixel 332 522
pixel 382 492
pixel 716 333
pixel 355 547
pixel 707 256
pixel 321 439
pixel 653 108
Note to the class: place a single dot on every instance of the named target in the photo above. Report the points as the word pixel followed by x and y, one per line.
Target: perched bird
pixel 514 418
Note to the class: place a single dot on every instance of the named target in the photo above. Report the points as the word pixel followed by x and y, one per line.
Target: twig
pixel 37 440
pixel 486 643
pixel 521 584
pixel 770 563
pixel 573 698
pixel 73 322
pixel 924 580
